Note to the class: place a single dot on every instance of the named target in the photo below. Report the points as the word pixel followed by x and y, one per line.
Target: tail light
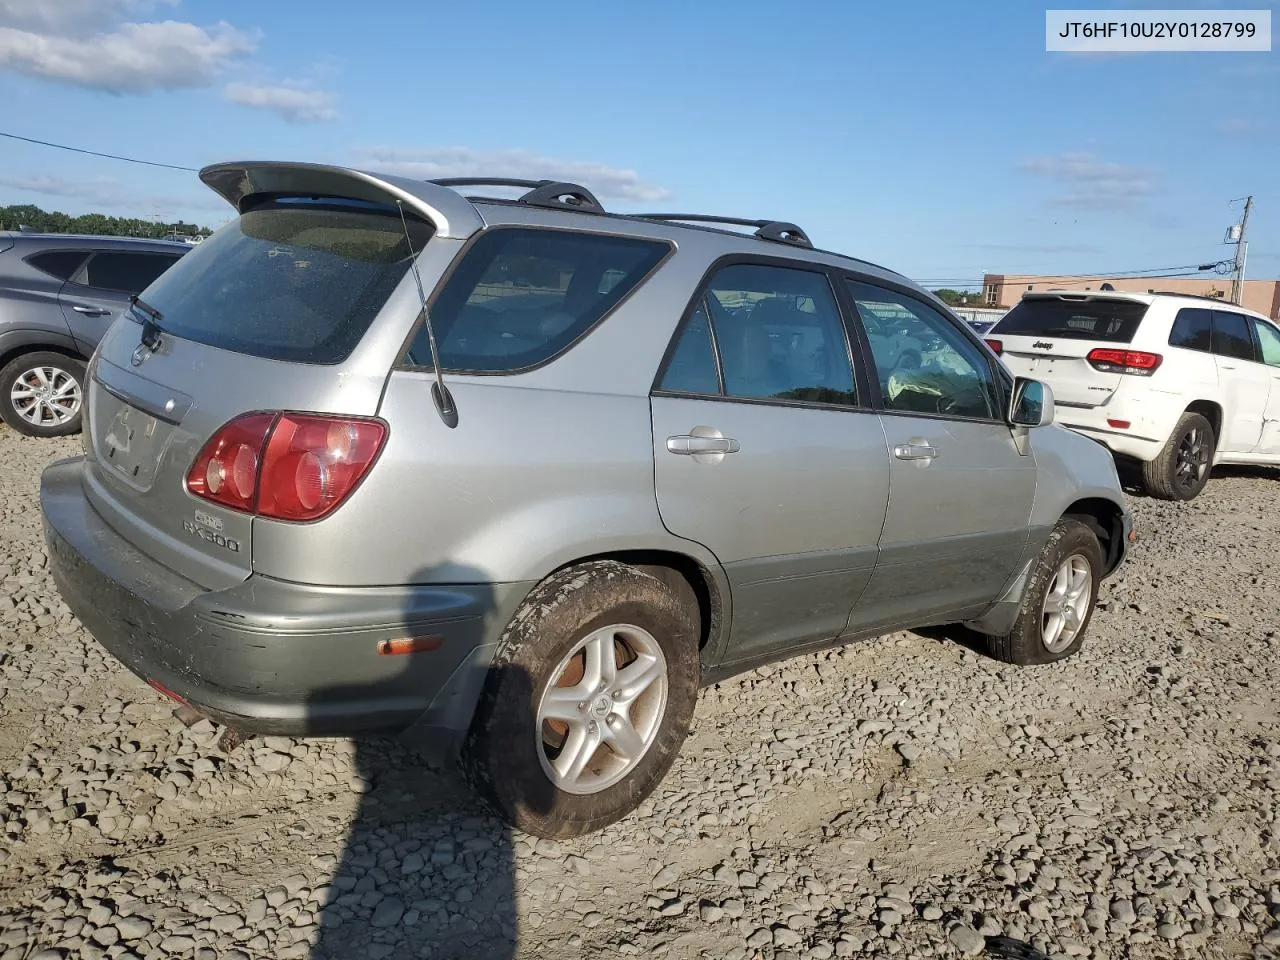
pixel 996 346
pixel 1136 362
pixel 286 466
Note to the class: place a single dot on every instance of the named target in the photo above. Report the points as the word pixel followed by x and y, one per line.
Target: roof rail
pixel 1195 296
pixel 779 231
pixel 541 193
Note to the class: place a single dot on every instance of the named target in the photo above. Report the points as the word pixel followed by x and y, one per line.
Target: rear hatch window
pixel 1050 339
pixel 521 296
pixel 1114 321
pixel 294 280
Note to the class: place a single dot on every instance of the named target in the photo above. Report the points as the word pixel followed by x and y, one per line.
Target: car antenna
pixel 440 394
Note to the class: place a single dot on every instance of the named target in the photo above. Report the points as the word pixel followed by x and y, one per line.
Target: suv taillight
pixel 286 466
pixel 996 346
pixel 1136 362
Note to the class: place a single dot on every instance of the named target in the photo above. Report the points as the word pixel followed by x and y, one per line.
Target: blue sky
pixel 937 138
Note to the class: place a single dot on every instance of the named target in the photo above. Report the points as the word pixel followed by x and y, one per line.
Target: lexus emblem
pixel 140 353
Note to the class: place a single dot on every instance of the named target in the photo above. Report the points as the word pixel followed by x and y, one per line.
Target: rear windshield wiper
pixel 151 329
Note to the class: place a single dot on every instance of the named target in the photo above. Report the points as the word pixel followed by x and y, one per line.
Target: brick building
pixel 1006 289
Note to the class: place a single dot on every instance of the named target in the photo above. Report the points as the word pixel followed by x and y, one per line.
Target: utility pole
pixel 1237 280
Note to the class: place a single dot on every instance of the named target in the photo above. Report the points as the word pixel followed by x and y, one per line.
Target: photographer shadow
pixel 427 870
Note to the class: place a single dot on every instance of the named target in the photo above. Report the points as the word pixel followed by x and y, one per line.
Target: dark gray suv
pixel 58 295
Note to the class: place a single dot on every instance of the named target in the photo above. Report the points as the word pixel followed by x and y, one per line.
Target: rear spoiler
pixel 452 214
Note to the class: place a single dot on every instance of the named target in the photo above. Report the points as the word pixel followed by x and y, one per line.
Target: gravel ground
pixel 903 797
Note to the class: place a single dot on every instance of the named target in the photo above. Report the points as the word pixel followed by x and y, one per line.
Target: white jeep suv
pixel 1176 382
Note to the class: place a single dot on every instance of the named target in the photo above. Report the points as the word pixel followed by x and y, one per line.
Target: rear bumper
pixel 1138 441
pixel 268 656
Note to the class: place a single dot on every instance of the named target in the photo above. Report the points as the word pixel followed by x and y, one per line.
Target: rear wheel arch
pixel 687 577
pixel 15 343
pixel 1211 411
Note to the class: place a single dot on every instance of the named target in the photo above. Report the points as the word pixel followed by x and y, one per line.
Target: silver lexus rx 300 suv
pixel 520 475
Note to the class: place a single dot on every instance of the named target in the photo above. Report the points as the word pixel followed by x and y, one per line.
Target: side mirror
pixel 1032 404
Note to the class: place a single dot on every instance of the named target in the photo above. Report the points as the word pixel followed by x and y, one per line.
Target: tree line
pixel 27 216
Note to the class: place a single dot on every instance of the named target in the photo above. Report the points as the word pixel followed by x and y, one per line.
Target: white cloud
pixel 1245 128
pixel 132 58
pixel 106 194
pixel 604 181
pixel 1087 183
pixel 72 17
pixel 91 43
pixel 294 104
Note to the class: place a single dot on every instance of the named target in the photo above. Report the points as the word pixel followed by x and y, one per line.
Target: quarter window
pixel 1269 341
pixel 1192 330
pixel 521 296
pixel 924 364
pixel 778 334
pixel 58 263
pixel 1231 337
pixel 126 272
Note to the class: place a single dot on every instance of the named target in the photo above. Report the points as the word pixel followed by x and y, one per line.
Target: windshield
pixel 294 280
pixel 1115 321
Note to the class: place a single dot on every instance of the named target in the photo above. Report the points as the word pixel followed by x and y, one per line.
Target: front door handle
pixel 686 445
pixel 92 311
pixel 915 451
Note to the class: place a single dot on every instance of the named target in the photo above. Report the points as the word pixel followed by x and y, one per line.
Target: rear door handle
pixel 92 311
pixel 915 451
pixel 686 445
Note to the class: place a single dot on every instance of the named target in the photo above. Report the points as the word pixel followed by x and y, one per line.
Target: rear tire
pixel 1058 602
pixel 519 753
pixel 1182 468
pixel 42 394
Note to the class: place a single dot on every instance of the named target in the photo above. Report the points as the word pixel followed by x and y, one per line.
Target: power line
pixel 1110 274
pixel 95 153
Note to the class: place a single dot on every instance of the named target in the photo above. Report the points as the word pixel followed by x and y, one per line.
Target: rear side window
pixel 1113 321
pixel 778 335
pixel 58 263
pixel 521 296
pixel 126 272
pixel 1231 336
pixel 1192 330
pixel 292 281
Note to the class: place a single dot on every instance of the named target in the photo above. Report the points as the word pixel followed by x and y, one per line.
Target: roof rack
pixel 542 193
pixel 561 194
pixel 779 231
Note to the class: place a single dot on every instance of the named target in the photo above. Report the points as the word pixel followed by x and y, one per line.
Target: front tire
pixel 1059 599
pixel 42 394
pixel 1182 468
pixel 588 701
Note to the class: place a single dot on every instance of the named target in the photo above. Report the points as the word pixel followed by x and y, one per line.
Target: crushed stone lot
pixel 902 797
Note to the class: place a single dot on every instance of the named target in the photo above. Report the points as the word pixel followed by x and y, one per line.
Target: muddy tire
pixel 1059 600
pixel 588 701
pixel 1182 468
pixel 42 394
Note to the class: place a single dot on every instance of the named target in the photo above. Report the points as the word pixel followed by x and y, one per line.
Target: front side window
pixel 778 334
pixel 521 296
pixel 126 272
pixel 924 364
pixel 1192 330
pixel 1269 341
pixel 1231 336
